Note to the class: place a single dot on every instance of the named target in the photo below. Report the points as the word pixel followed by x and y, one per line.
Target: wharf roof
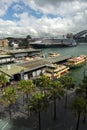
pixel 5 56
pixel 22 51
pixel 57 59
pixel 36 64
pixel 11 70
pixel 32 65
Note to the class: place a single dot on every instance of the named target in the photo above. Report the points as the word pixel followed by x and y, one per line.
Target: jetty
pixel 30 69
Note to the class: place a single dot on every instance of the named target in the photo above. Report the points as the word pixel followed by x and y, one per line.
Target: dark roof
pixel 31 65
pixel 43 62
pixel 23 51
pixel 5 56
pixel 34 64
pixel 57 59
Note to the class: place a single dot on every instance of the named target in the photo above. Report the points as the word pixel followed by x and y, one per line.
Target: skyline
pixel 20 18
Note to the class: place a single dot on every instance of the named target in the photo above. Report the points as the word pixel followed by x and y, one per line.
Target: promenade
pixel 20 121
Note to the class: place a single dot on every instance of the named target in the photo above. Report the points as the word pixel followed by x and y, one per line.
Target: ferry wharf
pixel 58 59
pixel 31 69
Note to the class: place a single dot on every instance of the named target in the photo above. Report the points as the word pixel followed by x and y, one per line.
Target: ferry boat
pixel 76 61
pixel 54 71
pixel 53 54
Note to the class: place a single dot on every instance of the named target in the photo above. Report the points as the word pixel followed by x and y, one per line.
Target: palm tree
pixel 78 105
pixel 81 91
pixel 56 92
pixel 3 80
pixel 38 103
pixel 44 83
pixel 21 86
pixel 9 96
pixel 27 87
pixel 82 88
pixel 68 83
pixel 84 85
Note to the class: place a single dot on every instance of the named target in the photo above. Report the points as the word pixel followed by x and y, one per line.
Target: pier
pixel 31 68
pixel 58 59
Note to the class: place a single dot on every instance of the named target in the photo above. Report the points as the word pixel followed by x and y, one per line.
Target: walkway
pixel 65 119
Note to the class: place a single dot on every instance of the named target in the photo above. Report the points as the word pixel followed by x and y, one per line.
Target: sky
pixel 19 18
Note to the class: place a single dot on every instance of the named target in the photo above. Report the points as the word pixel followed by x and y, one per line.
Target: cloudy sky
pixel 20 18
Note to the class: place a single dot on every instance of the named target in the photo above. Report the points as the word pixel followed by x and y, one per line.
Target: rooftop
pixel 22 51
pixel 4 56
pixel 34 64
pixel 58 58
pixel 11 70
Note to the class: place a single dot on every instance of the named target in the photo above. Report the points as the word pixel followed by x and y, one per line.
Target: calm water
pixel 77 73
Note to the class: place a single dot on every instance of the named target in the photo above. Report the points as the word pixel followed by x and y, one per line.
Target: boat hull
pixel 46 45
pixel 53 43
pixel 76 62
pixel 76 66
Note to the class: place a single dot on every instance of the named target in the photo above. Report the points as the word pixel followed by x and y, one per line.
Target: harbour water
pixel 77 73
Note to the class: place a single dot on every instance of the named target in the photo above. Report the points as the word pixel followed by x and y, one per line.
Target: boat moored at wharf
pixel 76 61
pixel 54 71
pixel 53 54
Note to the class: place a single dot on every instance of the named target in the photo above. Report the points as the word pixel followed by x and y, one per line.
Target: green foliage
pixel 85 79
pixel 44 82
pixel 3 79
pixel 9 95
pixel 38 102
pixel 82 89
pixel 67 82
pixel 78 105
pixel 56 90
pixel 1 101
pixel 26 86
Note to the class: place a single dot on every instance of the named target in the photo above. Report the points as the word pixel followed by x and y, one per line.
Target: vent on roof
pixel 8 67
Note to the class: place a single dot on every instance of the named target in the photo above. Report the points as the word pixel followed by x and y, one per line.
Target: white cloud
pixel 71 16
